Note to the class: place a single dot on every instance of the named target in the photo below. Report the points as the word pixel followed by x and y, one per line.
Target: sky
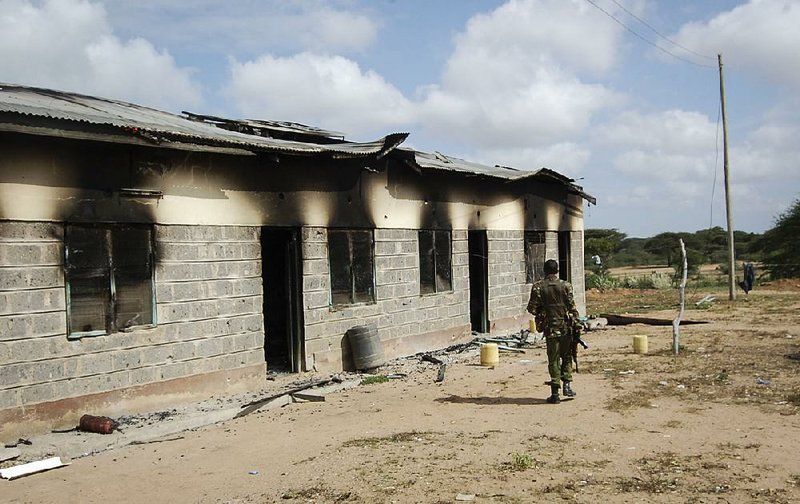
pixel 621 95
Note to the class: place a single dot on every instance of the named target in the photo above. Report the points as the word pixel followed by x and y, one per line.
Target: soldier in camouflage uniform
pixel 553 306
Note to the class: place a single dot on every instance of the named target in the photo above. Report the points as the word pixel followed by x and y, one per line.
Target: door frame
pixel 292 277
pixel 478 245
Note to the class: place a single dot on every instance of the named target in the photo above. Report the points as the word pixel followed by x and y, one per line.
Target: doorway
pixel 564 253
pixel 478 281
pixel 281 272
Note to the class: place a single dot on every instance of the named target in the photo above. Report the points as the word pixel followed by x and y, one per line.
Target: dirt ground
pixel 718 423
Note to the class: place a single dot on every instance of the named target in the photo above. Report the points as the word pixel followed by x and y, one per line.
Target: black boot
pixel 554 399
pixel 568 392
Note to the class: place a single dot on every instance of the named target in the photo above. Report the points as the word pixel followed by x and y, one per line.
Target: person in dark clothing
pixel 552 303
pixel 749 278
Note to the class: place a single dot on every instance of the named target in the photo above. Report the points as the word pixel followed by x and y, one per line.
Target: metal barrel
pixel 365 347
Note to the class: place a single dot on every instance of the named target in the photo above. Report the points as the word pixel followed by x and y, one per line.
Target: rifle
pixel 575 330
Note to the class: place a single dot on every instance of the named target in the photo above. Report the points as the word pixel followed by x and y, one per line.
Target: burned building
pixel 147 257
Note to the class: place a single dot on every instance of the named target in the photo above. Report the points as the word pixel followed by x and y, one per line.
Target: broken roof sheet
pixel 263 124
pixel 155 125
pixel 439 161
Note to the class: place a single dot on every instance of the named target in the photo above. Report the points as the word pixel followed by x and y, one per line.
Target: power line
pixel 646 40
pixel 660 34
pixel 716 165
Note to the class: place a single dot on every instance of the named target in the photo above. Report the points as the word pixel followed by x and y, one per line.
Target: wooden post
pixel 728 204
pixel 676 324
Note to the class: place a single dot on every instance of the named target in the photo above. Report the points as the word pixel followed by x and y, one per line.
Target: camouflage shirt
pixel 552 304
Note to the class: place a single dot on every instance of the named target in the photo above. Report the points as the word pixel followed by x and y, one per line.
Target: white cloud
pixel 327 91
pixel 512 83
pixel 761 36
pixel 68 44
pixel 513 78
pixel 250 26
pixel 687 132
pixel 566 158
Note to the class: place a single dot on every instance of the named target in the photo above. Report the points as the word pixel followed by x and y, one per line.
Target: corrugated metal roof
pixel 439 161
pixel 154 124
pixel 271 126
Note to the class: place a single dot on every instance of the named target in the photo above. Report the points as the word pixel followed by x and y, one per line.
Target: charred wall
pixel 206 210
pixel 208 319
pixel 49 179
pixel 407 322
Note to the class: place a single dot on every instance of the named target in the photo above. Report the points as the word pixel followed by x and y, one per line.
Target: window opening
pixel 534 255
pixel 109 278
pixel 351 257
pixel 435 261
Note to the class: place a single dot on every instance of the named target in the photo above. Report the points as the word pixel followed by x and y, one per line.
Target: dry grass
pixel 319 493
pixel 400 437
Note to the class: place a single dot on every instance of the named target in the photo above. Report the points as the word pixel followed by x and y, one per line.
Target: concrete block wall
pixel 32 308
pixel 209 293
pixel 404 318
pixel 577 278
pixel 208 312
pixel 508 292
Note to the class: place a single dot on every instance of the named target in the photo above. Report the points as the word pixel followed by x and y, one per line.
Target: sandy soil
pixel 719 423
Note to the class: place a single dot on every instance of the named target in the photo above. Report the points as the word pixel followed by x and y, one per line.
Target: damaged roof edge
pixel 58 109
pixel 438 161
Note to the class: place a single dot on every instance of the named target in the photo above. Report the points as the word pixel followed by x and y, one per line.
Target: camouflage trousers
pixel 559 357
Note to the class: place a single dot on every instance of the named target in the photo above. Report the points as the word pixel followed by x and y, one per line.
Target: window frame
pixel 110 269
pixel 433 286
pixel 353 294
pixel 532 273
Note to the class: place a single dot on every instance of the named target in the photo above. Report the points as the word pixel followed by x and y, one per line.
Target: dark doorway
pixel 479 281
pixel 563 255
pixel 283 314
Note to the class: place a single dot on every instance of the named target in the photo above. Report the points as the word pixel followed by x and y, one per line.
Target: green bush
pixel 601 280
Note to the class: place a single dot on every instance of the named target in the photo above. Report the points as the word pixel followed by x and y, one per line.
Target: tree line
pixel 777 249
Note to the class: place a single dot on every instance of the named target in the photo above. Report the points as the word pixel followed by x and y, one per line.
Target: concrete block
pixel 31 231
pixel 9 398
pixel 32 325
pixel 313 283
pixel 185 350
pixel 94 364
pixel 126 359
pixel 138 376
pixel 208 347
pixel 26 373
pixel 175 370
pixel 156 355
pixel 315 267
pixel 317 299
pixel 385 248
pixel 38 393
pixel 20 278
pixel 17 302
pixel 30 254
pixel 314 234
pixel 315 250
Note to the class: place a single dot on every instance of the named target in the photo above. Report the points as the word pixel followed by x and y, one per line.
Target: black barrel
pixel 365 347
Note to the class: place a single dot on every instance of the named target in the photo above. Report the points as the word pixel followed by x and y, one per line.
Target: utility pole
pixel 728 204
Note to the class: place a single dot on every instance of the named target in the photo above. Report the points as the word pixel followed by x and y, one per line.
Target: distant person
pixel 553 306
pixel 597 260
pixel 749 278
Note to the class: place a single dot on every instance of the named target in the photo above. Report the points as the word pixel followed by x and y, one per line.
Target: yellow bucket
pixel 490 354
pixel 640 344
pixel 532 325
